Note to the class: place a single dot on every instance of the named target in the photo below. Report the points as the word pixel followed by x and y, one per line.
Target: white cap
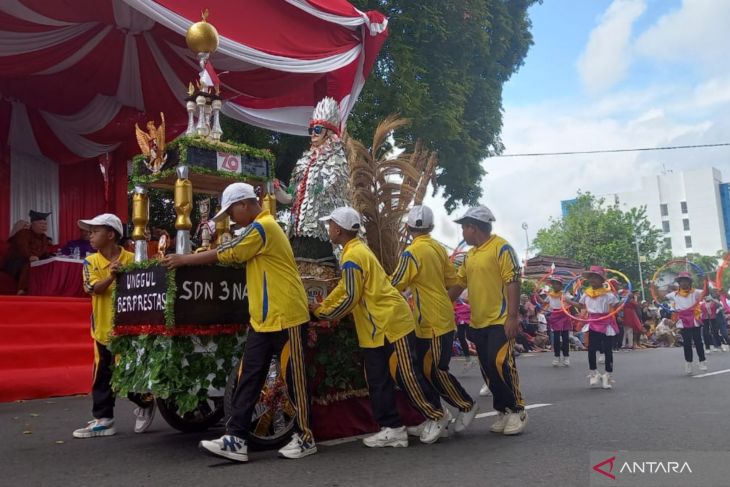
pixel 420 217
pixel 105 219
pixel 233 194
pixel 479 213
pixel 345 217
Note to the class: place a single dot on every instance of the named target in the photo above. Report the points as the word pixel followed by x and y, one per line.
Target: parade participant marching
pixel 710 318
pixel 426 270
pixel 687 303
pixel 491 273
pixel 559 321
pixel 599 300
pixel 384 324
pixel 279 314
pixel 99 274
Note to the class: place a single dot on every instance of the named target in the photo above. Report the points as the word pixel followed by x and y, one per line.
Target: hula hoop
pixel 611 314
pixel 697 269
pixel 547 276
pixel 718 280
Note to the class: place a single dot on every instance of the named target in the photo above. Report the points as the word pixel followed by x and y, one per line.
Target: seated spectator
pixel 26 246
pixel 664 335
pixel 82 244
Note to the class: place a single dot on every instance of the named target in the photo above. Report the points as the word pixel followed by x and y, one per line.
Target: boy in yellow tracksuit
pixel 279 314
pixel 99 274
pixel 384 324
pixel 491 273
pixel 426 270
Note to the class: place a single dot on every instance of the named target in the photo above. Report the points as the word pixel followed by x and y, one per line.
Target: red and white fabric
pixel 75 76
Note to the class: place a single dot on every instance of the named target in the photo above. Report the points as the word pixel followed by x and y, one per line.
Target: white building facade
pixel 686 205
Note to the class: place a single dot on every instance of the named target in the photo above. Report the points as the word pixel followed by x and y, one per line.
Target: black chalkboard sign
pixel 211 295
pixel 141 297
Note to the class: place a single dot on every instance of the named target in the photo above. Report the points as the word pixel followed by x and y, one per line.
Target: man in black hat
pixel 26 246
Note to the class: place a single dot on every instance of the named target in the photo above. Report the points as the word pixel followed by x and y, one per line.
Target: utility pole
pixel 641 275
pixel 527 242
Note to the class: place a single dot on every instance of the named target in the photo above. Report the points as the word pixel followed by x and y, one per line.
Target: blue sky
pixel 606 74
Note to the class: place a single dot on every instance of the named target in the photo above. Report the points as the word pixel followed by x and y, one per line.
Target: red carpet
pixel 45 347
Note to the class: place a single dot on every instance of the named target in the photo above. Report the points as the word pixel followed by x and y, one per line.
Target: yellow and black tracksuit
pixel 385 329
pixel 426 270
pixel 279 312
pixel 96 268
pixel 486 272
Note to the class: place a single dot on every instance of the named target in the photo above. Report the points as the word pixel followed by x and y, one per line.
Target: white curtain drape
pixel 33 186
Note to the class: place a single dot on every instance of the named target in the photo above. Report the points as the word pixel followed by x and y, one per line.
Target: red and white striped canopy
pixel 76 75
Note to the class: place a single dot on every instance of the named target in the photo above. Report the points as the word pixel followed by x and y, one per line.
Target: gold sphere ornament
pixel 202 36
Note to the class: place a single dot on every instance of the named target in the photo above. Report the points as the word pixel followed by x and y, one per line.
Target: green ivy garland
pixel 181 145
pixel 171 366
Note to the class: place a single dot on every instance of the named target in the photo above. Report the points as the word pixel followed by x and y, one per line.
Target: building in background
pixel 691 207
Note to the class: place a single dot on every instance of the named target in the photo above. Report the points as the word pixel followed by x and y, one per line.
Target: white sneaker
pixel 688 368
pixel 96 427
pixel 144 417
pixel 713 349
pixel 725 347
pixel 418 430
pixel 298 448
pixel 516 422
pixel 606 381
pixel 433 429
pixel 601 359
pixel 708 351
pixel 703 365
pixel 499 425
pixel 556 362
pixel 464 418
pixel 484 391
pixel 227 446
pixel 566 361
pixel 394 437
pixel 593 378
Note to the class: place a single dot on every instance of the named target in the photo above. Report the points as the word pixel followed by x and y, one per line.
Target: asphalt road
pixel 653 406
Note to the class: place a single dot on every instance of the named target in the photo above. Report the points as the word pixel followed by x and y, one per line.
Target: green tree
pixel 594 233
pixel 443 66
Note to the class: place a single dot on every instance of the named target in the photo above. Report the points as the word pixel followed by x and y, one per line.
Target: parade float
pixel 179 334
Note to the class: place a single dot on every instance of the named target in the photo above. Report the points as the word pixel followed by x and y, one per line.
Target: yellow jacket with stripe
pixel 486 272
pixel 276 296
pixel 379 310
pixel 425 268
pixel 96 268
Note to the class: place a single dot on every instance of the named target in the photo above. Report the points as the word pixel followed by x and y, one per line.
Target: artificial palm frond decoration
pixel 384 186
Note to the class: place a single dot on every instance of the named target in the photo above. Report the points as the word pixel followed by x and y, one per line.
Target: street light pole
pixel 527 242
pixel 641 275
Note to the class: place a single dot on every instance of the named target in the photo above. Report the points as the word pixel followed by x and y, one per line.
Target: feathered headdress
pixel 327 114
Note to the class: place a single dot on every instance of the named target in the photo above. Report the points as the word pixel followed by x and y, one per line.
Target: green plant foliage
pixel 338 365
pixel 171 366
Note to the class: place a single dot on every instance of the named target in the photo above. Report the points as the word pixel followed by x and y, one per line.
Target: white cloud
pixel 695 34
pixel 607 56
pixel 530 189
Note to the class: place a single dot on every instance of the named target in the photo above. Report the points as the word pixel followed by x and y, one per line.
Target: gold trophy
pixel 183 208
pixel 140 218
pixel 222 230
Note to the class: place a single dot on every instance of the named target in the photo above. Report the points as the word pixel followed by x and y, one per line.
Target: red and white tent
pixel 75 76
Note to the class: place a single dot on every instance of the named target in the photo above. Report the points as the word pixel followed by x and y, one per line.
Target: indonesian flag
pixel 209 77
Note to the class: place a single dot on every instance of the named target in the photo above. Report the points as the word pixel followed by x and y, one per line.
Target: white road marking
pixel 699 376
pixel 350 439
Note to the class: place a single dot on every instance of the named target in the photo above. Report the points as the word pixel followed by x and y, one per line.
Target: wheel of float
pixel 207 414
pixel 274 416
